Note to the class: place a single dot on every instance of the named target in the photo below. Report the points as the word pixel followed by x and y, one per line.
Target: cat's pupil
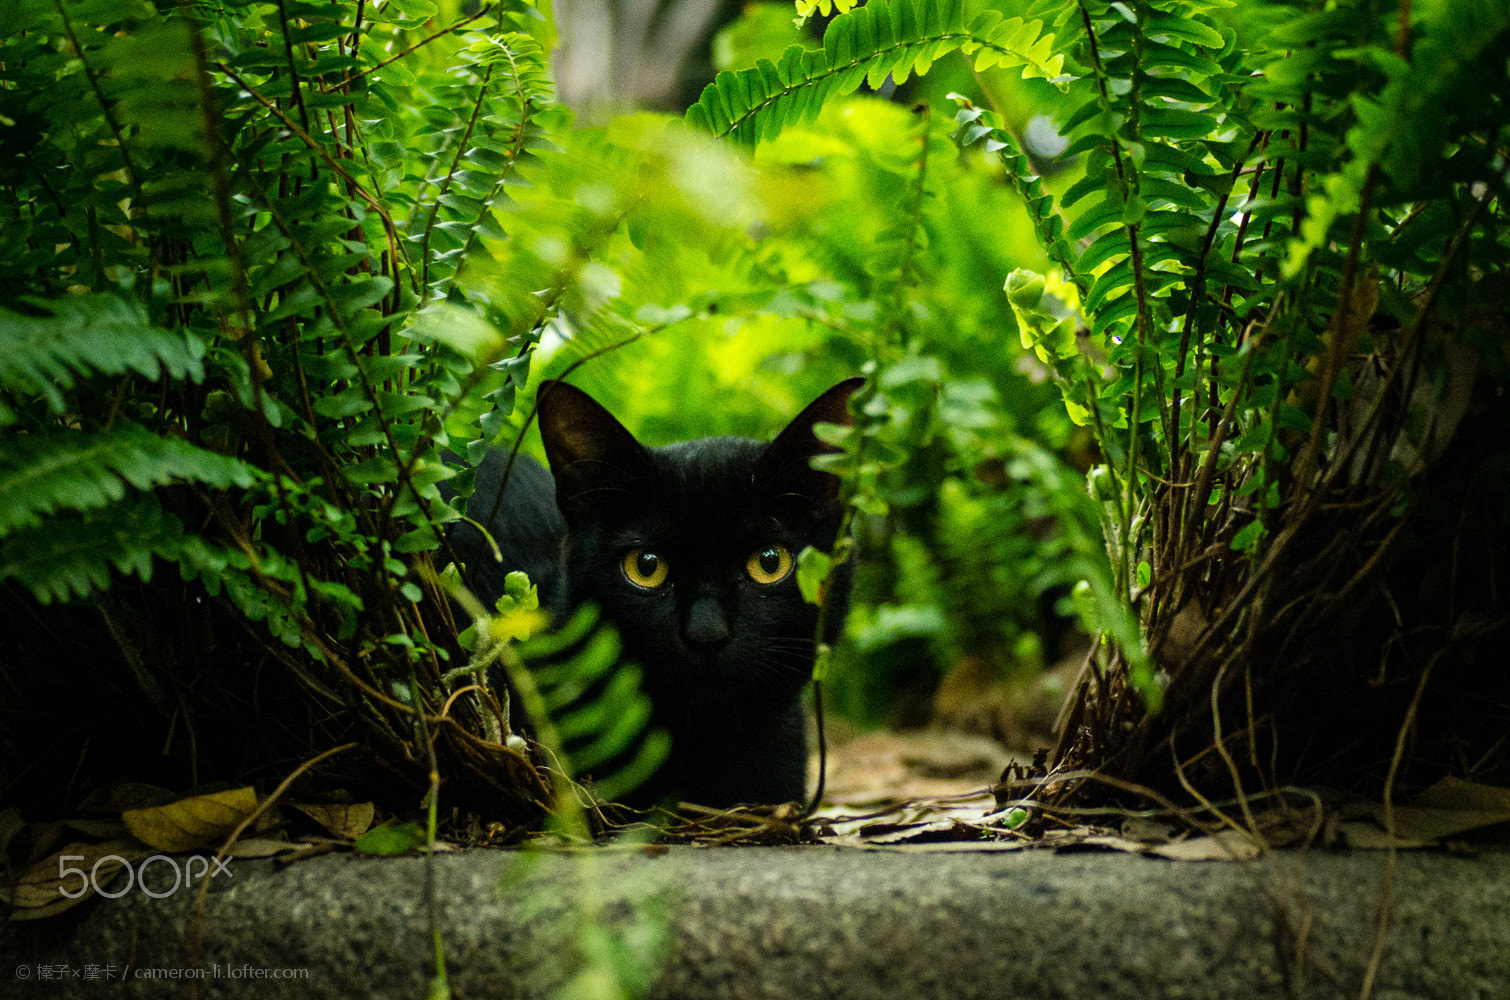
pixel 770 561
pixel 646 564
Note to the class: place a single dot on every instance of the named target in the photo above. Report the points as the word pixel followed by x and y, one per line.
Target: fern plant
pixel 893 38
pixel 1273 269
pixel 249 290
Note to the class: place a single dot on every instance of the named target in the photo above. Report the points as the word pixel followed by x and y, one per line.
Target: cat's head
pixel 691 549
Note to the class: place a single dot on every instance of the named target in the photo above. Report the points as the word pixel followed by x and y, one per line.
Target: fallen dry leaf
pixel 1449 808
pixel 961 818
pixel 67 878
pixel 931 847
pixel 1466 796
pixel 1366 835
pixel 1224 845
pixel 263 847
pixel 348 821
pixel 190 823
pixel 1412 822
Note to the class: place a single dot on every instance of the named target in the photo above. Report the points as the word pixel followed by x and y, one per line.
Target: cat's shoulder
pixel 528 482
pixel 515 499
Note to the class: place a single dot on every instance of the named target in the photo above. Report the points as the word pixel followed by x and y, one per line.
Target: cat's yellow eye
pixel 770 564
pixel 644 568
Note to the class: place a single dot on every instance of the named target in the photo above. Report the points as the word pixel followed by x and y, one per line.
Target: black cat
pixel 690 550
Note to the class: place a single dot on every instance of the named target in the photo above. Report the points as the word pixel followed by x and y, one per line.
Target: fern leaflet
pixel 599 716
pixel 72 555
pixel 85 335
pixel 44 473
pixel 885 38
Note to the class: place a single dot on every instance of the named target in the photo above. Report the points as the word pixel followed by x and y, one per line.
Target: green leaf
pixel 1111 244
pixel 1045 325
pixel 73 554
pixel 813 567
pixel 393 838
pixel 1191 29
pixel 1247 537
pixel 421 10
pixel 884 38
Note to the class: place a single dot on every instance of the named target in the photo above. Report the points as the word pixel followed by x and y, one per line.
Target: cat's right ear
pixel 786 466
pixel 592 456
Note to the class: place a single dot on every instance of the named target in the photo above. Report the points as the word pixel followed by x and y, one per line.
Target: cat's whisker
pixel 598 491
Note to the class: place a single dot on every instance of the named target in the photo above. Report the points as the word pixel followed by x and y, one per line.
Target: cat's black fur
pixel 724 658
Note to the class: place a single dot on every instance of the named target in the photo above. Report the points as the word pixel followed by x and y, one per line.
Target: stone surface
pixel 794 923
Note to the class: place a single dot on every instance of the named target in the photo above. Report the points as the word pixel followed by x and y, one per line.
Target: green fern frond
pixel 1453 84
pixel 86 335
pixel 73 555
pixel 1156 127
pixel 885 38
pixel 987 128
pixel 501 90
pixel 807 8
pixel 44 473
pixel 76 553
pixel 598 713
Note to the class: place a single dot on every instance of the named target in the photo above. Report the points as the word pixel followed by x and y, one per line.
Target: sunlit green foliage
pixel 260 264
pixel 883 39
pixel 1259 259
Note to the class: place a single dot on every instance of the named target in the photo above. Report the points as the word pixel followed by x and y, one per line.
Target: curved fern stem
pixel 107 107
pixel 351 182
pixel 521 134
pixel 445 184
pixel 978 125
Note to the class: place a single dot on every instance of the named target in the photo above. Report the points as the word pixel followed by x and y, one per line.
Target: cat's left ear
pixel 786 465
pixel 591 454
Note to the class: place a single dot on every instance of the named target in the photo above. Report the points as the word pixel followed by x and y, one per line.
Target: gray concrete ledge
pixel 794 923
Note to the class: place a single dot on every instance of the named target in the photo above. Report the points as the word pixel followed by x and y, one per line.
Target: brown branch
pixel 196 938
pixel 349 80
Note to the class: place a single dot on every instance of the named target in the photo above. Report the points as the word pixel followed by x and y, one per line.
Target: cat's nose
pixel 706 624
